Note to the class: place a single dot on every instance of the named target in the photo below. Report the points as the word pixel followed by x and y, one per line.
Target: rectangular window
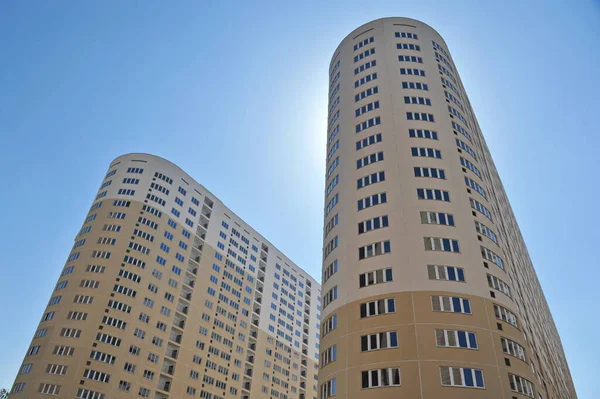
pixel 368 124
pixel 426 152
pixel 374 249
pixel 365 79
pixel 333 165
pixel 330 270
pixel 375 277
pixel 369 159
pixel 482 209
pixel 330 247
pixel 410 58
pixel 366 108
pixel 330 296
pixel 512 348
pixel 520 385
pixel 379 307
pixel 419 116
pixel 328 355
pixel 407 35
pixel 412 71
pixel 432 194
pixel 486 231
pixel 446 273
pixel 328 389
pixel 331 204
pixel 417 100
pixel 380 378
pixel 441 244
pixel 499 285
pixel 456 339
pixel 422 133
pixel 334 182
pixel 461 377
pixel 363 43
pixel 372 200
pixel 472 184
pixel 451 304
pixel 331 224
pixel 492 257
pixel 364 54
pixel 382 340
pixel 364 67
pixel 435 173
pixel 405 46
pixel 329 324
pixel 439 218
pixel 370 179
pixel 415 85
pixel 366 93
pixel 373 224
pixel 375 138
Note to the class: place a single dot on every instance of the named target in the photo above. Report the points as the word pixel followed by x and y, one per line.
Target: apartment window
pixel 364 67
pixel 407 35
pixel 366 108
pixel 124 386
pixel 435 173
pixel 380 378
pixel 486 231
pixel 450 304
pixel 461 377
pixel 333 165
pixel 426 152
pixel 469 165
pixel 369 159
pixel 382 340
pixel 520 385
pixel 365 79
pixel 333 202
pixel 472 184
pixel 512 348
pixel 456 339
pixel 328 389
pixel 328 355
pixel 330 247
pixel 56 369
pixel 135 170
pixel 492 257
pixel 96 375
pixel 370 179
pixel 375 138
pixel 363 43
pixel 499 285
pixel 49 389
pixel 80 316
pixel 374 249
pixel 422 133
pixel 437 218
pixel 405 46
pixel 372 200
pixel 48 316
pixel 415 86
pixel 379 307
pixel 417 100
pixel 144 392
pixel 330 296
pixel 410 58
pixel 63 350
pixel 26 368
pixel 364 54
pixel 412 71
pixel 375 277
pixel 441 244
pixel 367 124
pixel 330 324
pixel 446 273
pixel 330 270
pixel 331 224
pixel 373 224
pixel 18 387
pixel 366 93
pixel 479 207
pixel 335 147
pixel 433 194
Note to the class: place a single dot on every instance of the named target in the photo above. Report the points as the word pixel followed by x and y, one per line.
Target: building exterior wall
pixel 197 301
pixel 396 103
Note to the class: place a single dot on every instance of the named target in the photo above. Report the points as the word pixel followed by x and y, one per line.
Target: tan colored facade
pixel 169 294
pixel 453 308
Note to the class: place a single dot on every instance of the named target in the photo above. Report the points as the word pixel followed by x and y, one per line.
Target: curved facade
pixel 428 289
pixel 168 294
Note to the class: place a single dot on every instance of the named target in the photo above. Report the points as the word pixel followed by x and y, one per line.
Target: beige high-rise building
pixel 168 294
pixel 428 289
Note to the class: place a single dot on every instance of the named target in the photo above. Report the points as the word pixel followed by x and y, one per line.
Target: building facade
pixel 428 288
pixel 168 294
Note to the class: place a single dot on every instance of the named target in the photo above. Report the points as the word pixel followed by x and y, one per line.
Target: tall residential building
pixel 428 288
pixel 168 294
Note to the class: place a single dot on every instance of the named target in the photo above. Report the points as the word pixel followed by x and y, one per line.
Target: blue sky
pixel 235 93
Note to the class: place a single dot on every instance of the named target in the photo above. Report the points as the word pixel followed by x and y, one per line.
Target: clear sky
pixel 235 93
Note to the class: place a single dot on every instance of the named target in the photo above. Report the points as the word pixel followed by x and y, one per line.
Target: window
pixel 375 277
pixel 366 93
pixel 520 385
pixel 379 307
pixel 499 285
pixel 447 273
pixel 432 194
pixel 486 231
pixel 415 85
pixel 380 378
pixel 124 386
pixel 461 377
pixel 366 108
pixel 96 375
pixel 412 71
pixel 124 191
pixel 135 170
pixel 364 54
pixel 382 340
pixel 334 182
pixel 333 165
pixel 407 35
pixel 330 270
pixel 331 204
pixel 435 173
pixel 472 184
pixel 369 159
pixel 163 177
pixel 328 389
pixel 450 304
pixel 422 133
pixel 330 247
pixel 364 67
pixel 479 207
pixel 331 224
pixel 49 389
pixel 456 339
pixel 441 244
pixel 512 348
pixel 330 324
pixel 404 46
pixel 374 249
pixel 18 387
pixel 372 200
pixel 375 138
pixel 419 116
pixel 56 369
pixel 492 257
pixel 367 124
pixel 363 43
pixel 335 147
pixel 330 296
pixel 417 100
pixel 26 368
pixel 373 224
pixel 437 218
pixel 426 152
pixel 370 179
pixel 63 350
pixel 410 58
pixel 328 355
